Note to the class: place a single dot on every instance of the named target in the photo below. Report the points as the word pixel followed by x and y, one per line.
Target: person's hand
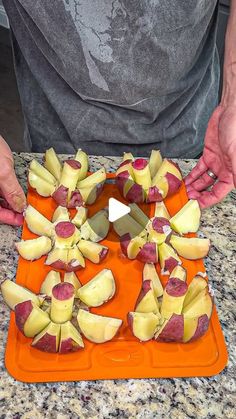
pixel 219 158
pixel 12 198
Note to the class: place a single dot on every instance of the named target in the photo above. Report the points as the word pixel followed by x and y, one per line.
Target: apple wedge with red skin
pixel 35 248
pixel 190 247
pixel 150 273
pixel 95 252
pixel 52 163
pixel 82 158
pixel 98 290
pixel 70 339
pixel 173 297
pixel 48 339
pixel 168 259
pixel 62 301
pixel 66 234
pixel 147 301
pixel 195 327
pixel 97 329
pixel 30 319
pixel 52 278
pixel 37 223
pixel 161 210
pixel 40 185
pixel 179 272
pixel 172 330
pixel 141 173
pixel 200 305
pixel 197 285
pixel 131 246
pixel 71 278
pixel 155 162
pixel 143 325
pixel 14 294
pixel 128 225
pixel 148 253
pixel 159 230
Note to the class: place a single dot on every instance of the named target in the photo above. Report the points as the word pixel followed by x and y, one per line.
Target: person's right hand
pixel 12 198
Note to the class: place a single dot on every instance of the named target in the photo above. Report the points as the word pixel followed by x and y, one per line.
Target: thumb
pixel 9 185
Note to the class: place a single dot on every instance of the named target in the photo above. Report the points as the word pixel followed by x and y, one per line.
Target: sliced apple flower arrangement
pixel 161 238
pixel 141 180
pixel 177 313
pixel 57 317
pixel 66 242
pixel 68 183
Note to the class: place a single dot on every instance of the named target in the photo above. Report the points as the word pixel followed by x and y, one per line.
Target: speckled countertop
pixel 213 397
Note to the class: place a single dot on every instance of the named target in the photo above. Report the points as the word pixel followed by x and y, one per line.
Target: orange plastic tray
pixel 124 356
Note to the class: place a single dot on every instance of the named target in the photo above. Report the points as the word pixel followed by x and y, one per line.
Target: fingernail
pixel 19 203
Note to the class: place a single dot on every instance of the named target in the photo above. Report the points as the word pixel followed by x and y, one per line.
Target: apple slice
pixel 128 156
pixel 80 216
pixel 60 214
pixel 70 175
pixel 96 228
pixel 143 325
pixel 128 225
pixel 30 319
pixel 169 166
pixel 161 210
pixel 71 278
pixel 179 272
pixel 172 330
pixel 187 220
pixel 94 179
pixel 96 328
pixel 168 259
pixel 200 305
pixel 94 252
pixel 131 246
pixel 91 192
pixel 82 158
pixel 52 163
pixel 150 273
pixel 159 229
pixel 138 215
pixel 57 258
pixel 37 223
pixel 147 301
pixel 197 285
pixel 43 173
pixel 141 172
pixel 195 327
pixel 173 297
pixel 162 186
pixel 42 187
pixel 155 162
pixel 62 301
pixel 70 339
pixel 190 248
pixel 66 234
pixel 99 290
pixel 126 165
pixel 35 248
pixel 75 260
pixel 51 279
pixel 148 253
pixel 14 294
pixel 48 339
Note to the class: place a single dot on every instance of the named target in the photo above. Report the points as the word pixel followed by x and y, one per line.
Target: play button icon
pixel 116 209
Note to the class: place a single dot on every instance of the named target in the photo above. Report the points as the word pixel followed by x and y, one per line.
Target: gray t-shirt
pixel 115 75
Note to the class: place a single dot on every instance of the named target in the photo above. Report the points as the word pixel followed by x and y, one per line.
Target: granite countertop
pixel 213 397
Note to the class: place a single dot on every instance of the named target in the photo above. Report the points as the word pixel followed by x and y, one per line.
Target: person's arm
pixel 12 198
pixel 219 154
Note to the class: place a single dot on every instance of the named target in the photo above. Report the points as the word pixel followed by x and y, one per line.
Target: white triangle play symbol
pixel 116 209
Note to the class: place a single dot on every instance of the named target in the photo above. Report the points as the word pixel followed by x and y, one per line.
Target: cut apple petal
pixel 94 252
pixel 172 330
pixel 154 194
pixel 80 216
pixel 138 215
pixel 143 325
pixel 155 162
pixel 128 156
pixel 133 192
pixel 57 258
pixel 126 165
pixel 66 234
pixel 90 193
pixel 82 158
pixel 14 294
pixel 98 290
pixel 41 186
pixel 75 260
pixel 75 200
pixel 150 273
pixel 173 297
pixel 195 327
pixel 52 163
pixel 37 223
pixel 173 183
pixel 159 230
pixel 161 184
pixel 147 301
pixel 148 253
pixel 43 173
pixel 187 220
pixel 70 339
pixel 179 272
pixel 60 195
pixel 97 328
pixel 127 225
pixel 190 248
pixel 71 278
pixel 62 301
pixel 169 166
pixel 96 228
pixel 48 339
pixel 131 246
pixel 51 279
pixel 141 172
pixel 168 259
pixel 92 180
pixel 60 214
pixel 161 210
pixel 30 319
pixel 197 285
pixel 70 175
pixel 35 248
pixel 200 305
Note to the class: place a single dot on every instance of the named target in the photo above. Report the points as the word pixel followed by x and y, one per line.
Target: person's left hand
pixel 219 157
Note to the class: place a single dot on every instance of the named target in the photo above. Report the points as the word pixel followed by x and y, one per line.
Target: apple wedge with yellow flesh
pixel 98 290
pixel 138 215
pixel 91 193
pixel 48 339
pixel 200 305
pixel 131 246
pixel 179 272
pixel 43 173
pixel 60 214
pixel 159 187
pixel 57 258
pixel 143 325
pixel 195 327
pixel 95 252
pixel 41 186
pixel 172 330
pixel 168 259
pixel 52 163
pixel 173 297
pixel 71 278
pixel 75 260
pixel 70 174
pixel 96 228
pixel 150 273
pixel 190 247
pixel 161 210
pixel 82 158
pixel 30 319
pixel 148 253
pixel 197 285
pixel 159 229
pixel 128 156
pixel 80 216
pixel 35 248
pixel 97 329
pixel 14 294
pixel 37 223
pixel 141 173
pixel 128 225
pixel 62 301
pixel 92 180
pixel 147 301
pixel 52 278
pixel 187 220
pixel 70 339
pixel 126 165
pixel 155 162
pixel 66 234
pixel 170 171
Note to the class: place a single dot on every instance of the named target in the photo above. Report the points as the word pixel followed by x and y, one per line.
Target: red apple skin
pixel 130 320
pixel 65 229
pixel 139 164
pixel 158 223
pixel 124 243
pixel 121 179
pixel 103 254
pixel 68 345
pixel 22 312
pixel 99 190
pixel 170 264
pixel 146 287
pixel 76 200
pixel 59 264
pixel 176 288
pixel 148 253
pixel 47 343
pixel 175 164
pixel 63 291
pixel 74 164
pixel 60 196
pixel 173 182
pixel 135 194
pixel 153 195
pixel 123 163
pixel 174 330
pixel 202 326
pixel 70 268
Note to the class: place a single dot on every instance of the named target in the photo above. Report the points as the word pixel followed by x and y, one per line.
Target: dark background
pixel 11 118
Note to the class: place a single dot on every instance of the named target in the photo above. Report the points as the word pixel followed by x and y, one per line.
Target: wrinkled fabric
pixel 111 76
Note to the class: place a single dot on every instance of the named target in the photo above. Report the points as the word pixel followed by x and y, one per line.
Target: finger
pixel 196 172
pixel 204 182
pixel 10 217
pixel 10 187
pixel 215 195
